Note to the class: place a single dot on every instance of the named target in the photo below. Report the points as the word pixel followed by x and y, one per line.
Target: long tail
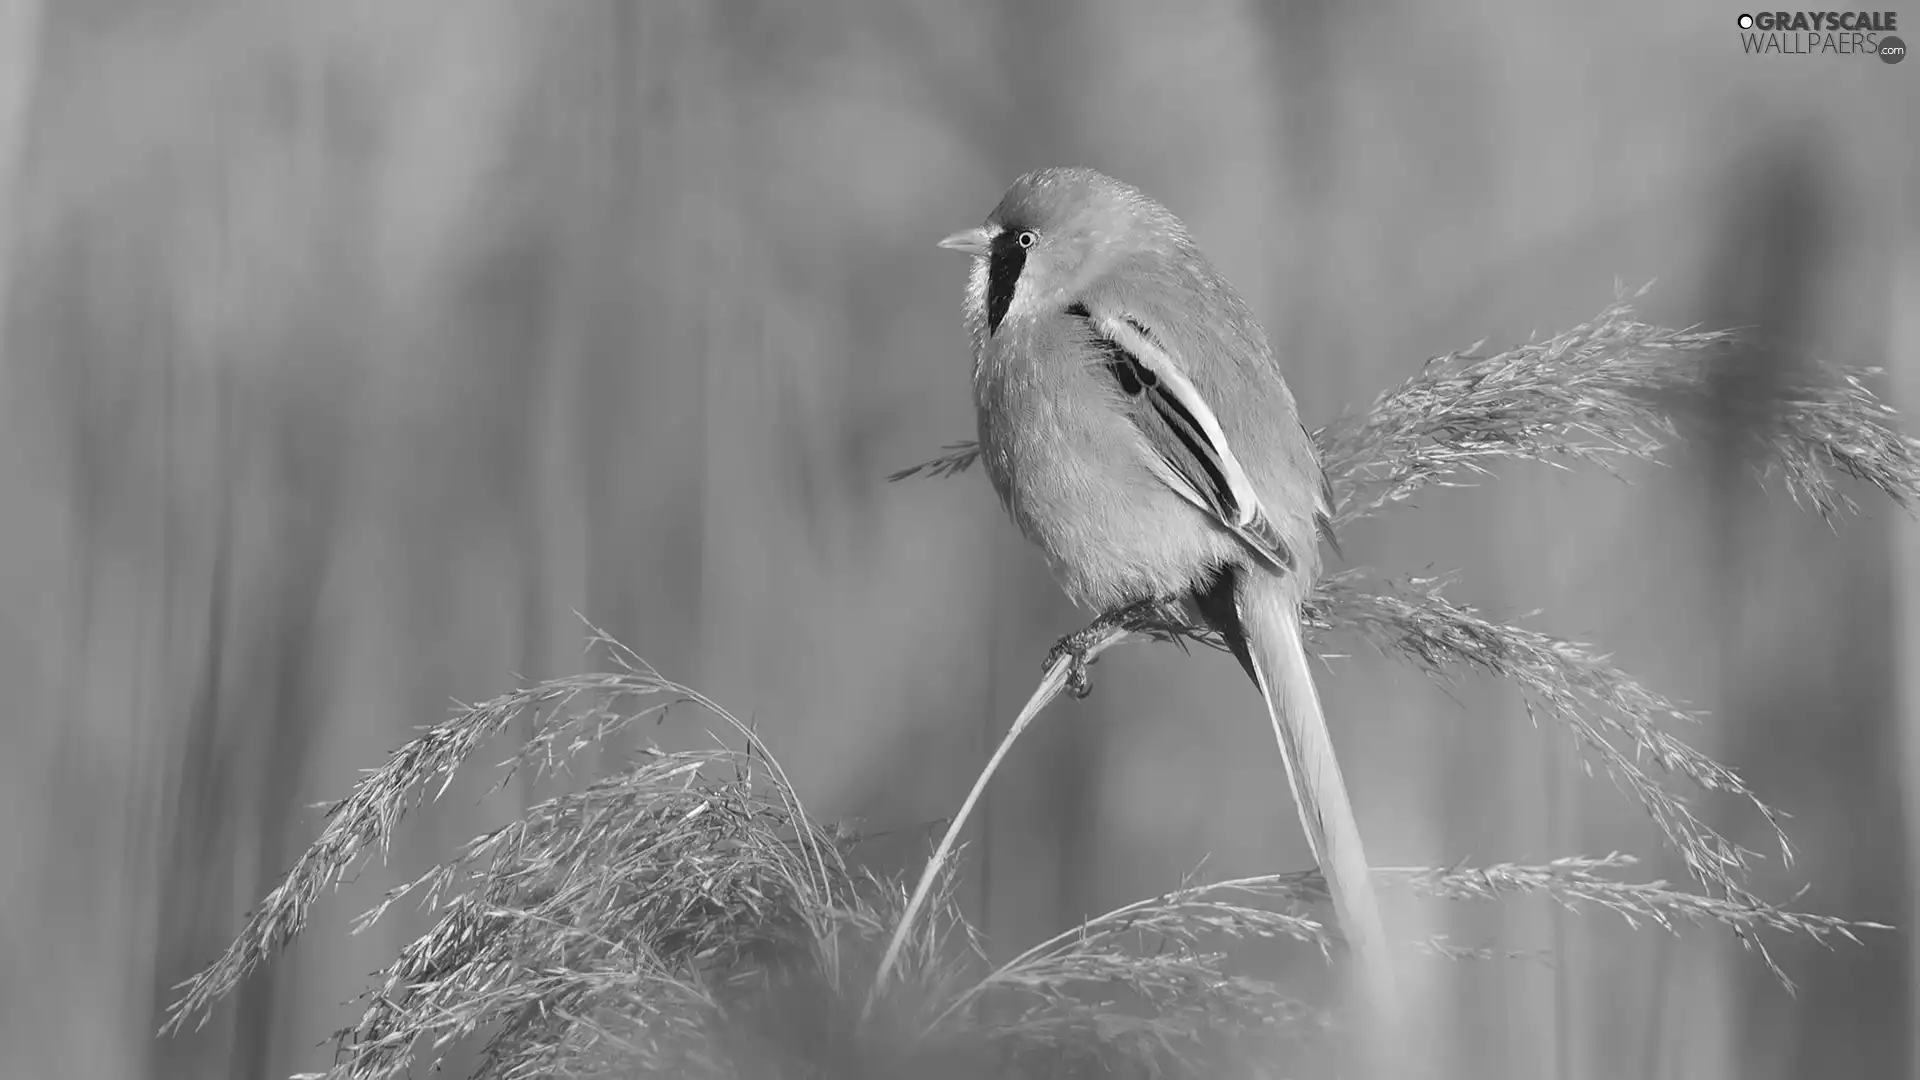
pixel 1269 646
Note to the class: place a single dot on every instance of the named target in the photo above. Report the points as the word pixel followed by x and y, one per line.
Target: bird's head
pixel 1054 231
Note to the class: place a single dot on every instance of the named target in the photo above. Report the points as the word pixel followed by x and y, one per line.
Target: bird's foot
pixel 1083 645
pixel 1074 645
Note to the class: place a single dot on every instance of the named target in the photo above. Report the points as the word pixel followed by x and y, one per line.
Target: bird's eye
pixel 1026 239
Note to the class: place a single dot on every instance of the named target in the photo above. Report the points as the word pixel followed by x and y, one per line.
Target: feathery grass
pixel 686 917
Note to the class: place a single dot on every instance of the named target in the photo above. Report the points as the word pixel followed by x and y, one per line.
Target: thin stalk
pixel 1050 686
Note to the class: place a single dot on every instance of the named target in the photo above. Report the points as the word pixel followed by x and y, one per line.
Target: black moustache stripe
pixel 1005 261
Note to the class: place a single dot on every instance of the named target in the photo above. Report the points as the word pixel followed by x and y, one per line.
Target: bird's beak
pixel 972 241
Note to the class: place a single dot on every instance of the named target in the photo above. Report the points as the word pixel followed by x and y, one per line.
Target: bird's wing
pixel 1190 452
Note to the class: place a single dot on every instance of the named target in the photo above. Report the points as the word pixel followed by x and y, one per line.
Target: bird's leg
pixel 1082 645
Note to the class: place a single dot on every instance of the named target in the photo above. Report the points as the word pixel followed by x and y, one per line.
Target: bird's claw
pixel 1074 647
pixel 1082 645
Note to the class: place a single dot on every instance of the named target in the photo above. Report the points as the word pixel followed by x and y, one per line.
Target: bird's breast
pixel 1071 469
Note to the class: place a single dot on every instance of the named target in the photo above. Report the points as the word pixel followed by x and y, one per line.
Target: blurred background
pixel 348 349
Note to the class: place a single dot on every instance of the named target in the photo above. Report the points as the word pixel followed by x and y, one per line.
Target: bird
pixel 1137 427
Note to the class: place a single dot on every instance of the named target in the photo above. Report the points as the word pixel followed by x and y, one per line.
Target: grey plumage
pixel 1138 428
pixel 1054 420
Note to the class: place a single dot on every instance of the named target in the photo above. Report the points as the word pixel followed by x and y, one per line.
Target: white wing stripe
pixel 1149 352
